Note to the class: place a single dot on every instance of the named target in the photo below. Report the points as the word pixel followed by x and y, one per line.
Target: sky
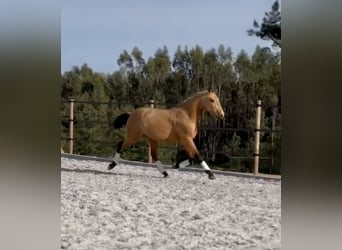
pixel 97 32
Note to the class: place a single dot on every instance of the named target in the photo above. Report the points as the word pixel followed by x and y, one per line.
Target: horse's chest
pixel 195 132
pixel 191 131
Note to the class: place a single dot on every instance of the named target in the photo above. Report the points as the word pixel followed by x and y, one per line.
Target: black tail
pixel 121 120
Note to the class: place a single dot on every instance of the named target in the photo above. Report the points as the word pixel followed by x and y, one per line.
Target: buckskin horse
pixel 176 125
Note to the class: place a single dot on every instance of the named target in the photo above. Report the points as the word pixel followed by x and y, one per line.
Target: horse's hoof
pixel 112 165
pixel 212 177
pixel 166 175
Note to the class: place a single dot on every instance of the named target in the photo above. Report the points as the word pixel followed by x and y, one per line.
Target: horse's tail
pixel 121 120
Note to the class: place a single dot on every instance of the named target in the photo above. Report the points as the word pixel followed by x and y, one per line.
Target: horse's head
pixel 211 103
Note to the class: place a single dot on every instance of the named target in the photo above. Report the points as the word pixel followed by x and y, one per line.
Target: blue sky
pixel 96 32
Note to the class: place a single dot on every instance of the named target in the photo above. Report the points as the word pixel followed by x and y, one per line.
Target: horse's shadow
pixel 95 171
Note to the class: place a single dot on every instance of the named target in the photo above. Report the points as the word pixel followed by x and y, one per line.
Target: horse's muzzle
pixel 220 115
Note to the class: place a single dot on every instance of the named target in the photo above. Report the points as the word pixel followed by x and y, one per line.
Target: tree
pixel 139 61
pixel 125 62
pixel 197 62
pixel 211 63
pixel 270 28
pixel 239 82
pixel 157 70
pixel 182 71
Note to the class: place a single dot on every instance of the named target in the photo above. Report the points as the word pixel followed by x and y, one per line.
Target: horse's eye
pixel 212 100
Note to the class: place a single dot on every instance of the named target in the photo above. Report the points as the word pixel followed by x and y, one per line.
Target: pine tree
pixel 270 28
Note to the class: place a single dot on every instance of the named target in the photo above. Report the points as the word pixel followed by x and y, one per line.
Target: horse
pixel 177 124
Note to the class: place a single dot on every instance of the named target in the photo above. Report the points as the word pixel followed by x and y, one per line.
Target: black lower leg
pixel 119 147
pixel 180 157
pixel 199 160
pixel 118 150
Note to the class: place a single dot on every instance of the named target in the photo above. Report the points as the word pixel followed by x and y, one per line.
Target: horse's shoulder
pixel 180 117
pixel 178 112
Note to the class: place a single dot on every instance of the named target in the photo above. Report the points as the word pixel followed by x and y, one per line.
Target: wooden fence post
pixel 257 137
pixel 151 103
pixel 71 126
pixel 274 116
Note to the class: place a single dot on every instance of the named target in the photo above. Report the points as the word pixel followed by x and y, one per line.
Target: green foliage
pixel 233 147
pixel 239 82
pixel 270 28
pixel 272 148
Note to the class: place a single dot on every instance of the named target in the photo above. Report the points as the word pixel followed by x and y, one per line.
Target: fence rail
pixel 156 104
pixel 208 128
pixel 70 120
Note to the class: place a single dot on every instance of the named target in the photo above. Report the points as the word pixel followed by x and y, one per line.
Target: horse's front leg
pixel 154 147
pixel 193 153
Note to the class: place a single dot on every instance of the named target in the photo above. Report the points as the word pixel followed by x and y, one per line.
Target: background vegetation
pixel 238 80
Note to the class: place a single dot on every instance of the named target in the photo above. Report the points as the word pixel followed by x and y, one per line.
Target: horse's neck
pixel 193 109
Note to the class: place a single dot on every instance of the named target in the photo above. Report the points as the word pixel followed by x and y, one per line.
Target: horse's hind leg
pixel 154 147
pixel 193 153
pixel 182 159
pixel 116 156
pixel 131 138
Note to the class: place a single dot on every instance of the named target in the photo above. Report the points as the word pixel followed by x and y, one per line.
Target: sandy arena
pixel 133 207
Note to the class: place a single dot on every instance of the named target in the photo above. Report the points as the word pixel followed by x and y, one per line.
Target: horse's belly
pixel 162 135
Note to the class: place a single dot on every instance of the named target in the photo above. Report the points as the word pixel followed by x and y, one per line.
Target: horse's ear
pixel 209 90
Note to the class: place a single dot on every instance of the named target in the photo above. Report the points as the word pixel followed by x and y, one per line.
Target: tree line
pixel 239 82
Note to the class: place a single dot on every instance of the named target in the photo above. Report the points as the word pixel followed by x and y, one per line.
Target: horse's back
pixel 153 123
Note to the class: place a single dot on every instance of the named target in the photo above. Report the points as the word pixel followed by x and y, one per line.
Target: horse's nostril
pixel 220 115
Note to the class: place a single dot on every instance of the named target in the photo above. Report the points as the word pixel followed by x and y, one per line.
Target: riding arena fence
pixel 255 157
